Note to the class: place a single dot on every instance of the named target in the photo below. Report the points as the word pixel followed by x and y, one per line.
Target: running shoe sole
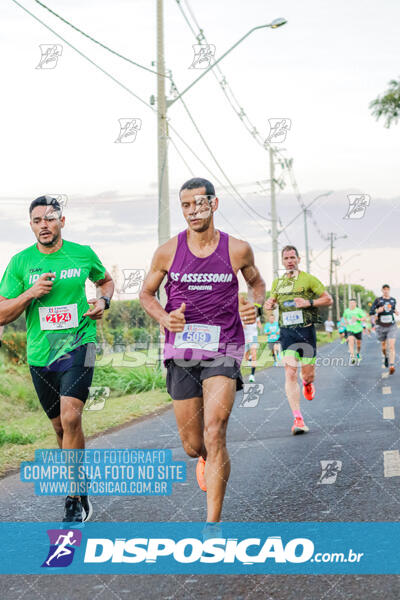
pixel 300 430
pixel 87 508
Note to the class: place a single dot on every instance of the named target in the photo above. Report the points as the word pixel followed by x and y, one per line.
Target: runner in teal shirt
pixel 354 318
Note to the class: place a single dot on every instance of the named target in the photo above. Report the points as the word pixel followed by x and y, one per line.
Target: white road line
pixel 386 389
pixel 385 375
pixel 391 463
pixel 388 412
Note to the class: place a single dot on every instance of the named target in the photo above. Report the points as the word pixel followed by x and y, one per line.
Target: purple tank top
pixel 209 288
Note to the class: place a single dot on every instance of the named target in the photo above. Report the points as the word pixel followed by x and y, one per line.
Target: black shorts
pixel 186 382
pixel 69 375
pixel 357 335
pixel 300 342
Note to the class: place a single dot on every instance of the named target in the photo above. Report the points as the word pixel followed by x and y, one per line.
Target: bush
pixel 144 380
pixel 14 437
pixel 129 381
pixel 141 335
pixel 14 346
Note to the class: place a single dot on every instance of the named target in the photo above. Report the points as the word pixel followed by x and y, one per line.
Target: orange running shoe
pixel 299 426
pixel 308 391
pixel 391 369
pixel 200 473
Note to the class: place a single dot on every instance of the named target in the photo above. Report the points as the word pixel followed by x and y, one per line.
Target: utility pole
pixel 337 292
pixel 274 219
pixel 330 273
pixel 306 240
pixel 162 140
pixel 162 145
pixel 332 237
pixel 115 276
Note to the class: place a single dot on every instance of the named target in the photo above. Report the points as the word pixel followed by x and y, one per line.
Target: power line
pixel 127 89
pixel 217 179
pixel 214 157
pixel 219 209
pixel 240 112
pixel 231 98
pixel 181 156
pixel 84 56
pixel 89 37
pixel 223 83
pixel 89 60
pixel 213 175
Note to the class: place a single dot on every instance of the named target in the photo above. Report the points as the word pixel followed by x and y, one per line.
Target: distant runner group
pixel 209 329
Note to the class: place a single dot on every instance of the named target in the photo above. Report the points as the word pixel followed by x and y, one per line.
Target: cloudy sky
pixel 320 70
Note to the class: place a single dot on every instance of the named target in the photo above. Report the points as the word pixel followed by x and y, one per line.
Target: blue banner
pixel 227 548
pixel 103 472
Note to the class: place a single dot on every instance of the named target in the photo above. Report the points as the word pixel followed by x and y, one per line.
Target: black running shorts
pixel 69 375
pixel 184 382
pixel 357 335
pixel 299 342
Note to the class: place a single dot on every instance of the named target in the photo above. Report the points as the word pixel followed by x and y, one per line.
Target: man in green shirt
pixel 298 295
pixel 47 281
pixel 354 317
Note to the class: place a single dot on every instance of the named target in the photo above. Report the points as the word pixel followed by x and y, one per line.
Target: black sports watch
pixel 107 301
pixel 259 309
pixel 311 301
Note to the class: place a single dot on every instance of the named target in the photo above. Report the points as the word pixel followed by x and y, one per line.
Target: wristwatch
pixel 311 301
pixel 259 309
pixel 107 301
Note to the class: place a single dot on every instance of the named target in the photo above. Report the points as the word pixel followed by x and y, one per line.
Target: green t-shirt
pixel 53 332
pixel 351 317
pixel 285 289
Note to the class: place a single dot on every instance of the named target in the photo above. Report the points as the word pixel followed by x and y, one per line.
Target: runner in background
pixel 367 324
pixel 341 326
pixel 383 310
pixel 299 296
pixel 354 318
pixel 272 331
pixel 329 325
pixel 251 346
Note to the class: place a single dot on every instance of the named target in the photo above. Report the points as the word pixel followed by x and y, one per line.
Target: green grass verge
pixel 36 428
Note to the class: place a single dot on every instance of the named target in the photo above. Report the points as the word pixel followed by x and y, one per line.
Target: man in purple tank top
pixel 204 340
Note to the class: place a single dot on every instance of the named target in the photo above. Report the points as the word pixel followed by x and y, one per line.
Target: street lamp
pixel 277 23
pixel 274 25
pixel 305 208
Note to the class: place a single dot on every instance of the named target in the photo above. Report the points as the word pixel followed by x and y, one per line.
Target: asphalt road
pixel 275 477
